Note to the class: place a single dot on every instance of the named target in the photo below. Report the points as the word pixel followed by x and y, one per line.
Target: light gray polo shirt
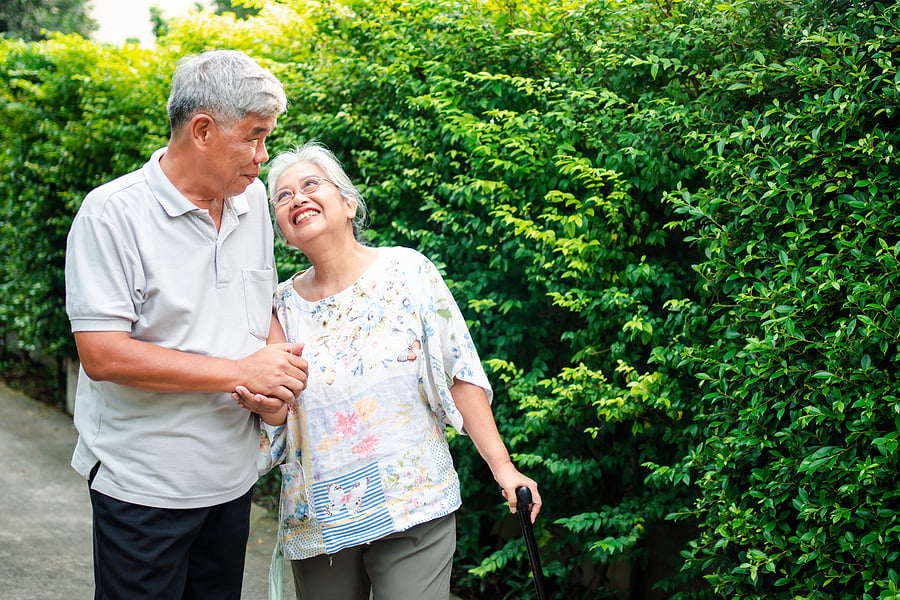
pixel 142 258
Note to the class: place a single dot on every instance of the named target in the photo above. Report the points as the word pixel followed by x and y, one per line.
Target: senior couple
pixel 199 370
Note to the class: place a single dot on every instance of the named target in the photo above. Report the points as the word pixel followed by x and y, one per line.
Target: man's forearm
pixel 114 356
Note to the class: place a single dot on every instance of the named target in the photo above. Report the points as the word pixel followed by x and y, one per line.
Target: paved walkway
pixel 45 512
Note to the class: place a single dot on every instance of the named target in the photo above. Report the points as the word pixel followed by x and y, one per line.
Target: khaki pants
pixel 409 565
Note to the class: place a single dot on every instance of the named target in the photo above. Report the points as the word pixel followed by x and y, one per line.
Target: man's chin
pixel 240 186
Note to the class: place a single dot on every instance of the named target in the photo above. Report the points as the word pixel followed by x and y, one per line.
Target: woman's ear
pixel 352 205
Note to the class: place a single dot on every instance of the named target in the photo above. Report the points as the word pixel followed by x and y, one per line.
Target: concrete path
pixel 45 512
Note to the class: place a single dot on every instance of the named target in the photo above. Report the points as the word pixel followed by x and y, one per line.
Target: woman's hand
pixel 509 479
pixel 271 410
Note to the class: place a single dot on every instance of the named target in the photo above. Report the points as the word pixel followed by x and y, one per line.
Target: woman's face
pixel 309 206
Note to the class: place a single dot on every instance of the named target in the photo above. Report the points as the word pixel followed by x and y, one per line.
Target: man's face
pixel 237 152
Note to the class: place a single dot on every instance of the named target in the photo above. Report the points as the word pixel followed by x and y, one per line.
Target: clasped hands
pixel 270 379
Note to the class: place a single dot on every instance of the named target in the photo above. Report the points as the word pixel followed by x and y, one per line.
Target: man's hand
pixel 277 371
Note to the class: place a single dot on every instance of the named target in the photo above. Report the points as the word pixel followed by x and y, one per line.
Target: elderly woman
pixel 368 485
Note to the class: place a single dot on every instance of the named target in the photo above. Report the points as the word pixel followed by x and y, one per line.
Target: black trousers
pixel 145 553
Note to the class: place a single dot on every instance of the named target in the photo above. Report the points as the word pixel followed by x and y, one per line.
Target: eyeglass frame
pixel 318 179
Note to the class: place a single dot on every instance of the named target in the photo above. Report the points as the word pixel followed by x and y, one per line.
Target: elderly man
pixel 169 278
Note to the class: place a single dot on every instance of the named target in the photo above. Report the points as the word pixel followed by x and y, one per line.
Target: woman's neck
pixel 334 271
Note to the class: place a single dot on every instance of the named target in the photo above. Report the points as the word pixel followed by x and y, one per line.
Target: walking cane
pixel 523 510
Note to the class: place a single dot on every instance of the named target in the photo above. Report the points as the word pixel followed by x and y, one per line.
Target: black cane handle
pixel 523 496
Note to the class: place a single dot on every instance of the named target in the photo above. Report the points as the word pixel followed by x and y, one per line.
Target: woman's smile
pixel 302 214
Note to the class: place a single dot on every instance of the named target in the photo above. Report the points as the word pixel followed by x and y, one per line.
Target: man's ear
pixel 202 127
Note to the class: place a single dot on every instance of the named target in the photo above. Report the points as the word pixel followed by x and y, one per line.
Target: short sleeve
pixel 449 347
pixel 104 281
pixel 272 447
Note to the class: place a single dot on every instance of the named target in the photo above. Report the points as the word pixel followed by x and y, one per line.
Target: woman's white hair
pixel 226 84
pixel 316 153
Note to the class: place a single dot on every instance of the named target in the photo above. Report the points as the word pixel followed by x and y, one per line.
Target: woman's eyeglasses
pixel 306 187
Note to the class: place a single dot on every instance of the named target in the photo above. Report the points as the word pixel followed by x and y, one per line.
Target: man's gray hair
pixel 226 84
pixel 316 153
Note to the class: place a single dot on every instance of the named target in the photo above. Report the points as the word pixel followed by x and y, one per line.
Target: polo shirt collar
pixel 173 201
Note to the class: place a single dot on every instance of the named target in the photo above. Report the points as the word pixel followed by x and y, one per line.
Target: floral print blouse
pixel 363 453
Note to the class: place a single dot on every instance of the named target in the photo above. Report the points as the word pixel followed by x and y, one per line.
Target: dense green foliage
pixel 73 115
pixel 800 226
pixel 671 226
pixel 32 19
pixel 239 8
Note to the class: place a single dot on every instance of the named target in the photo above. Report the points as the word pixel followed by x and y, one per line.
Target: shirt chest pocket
pixel 258 288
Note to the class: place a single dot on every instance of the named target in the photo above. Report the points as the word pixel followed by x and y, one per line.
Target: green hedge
pixel 73 116
pixel 800 226
pixel 669 225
